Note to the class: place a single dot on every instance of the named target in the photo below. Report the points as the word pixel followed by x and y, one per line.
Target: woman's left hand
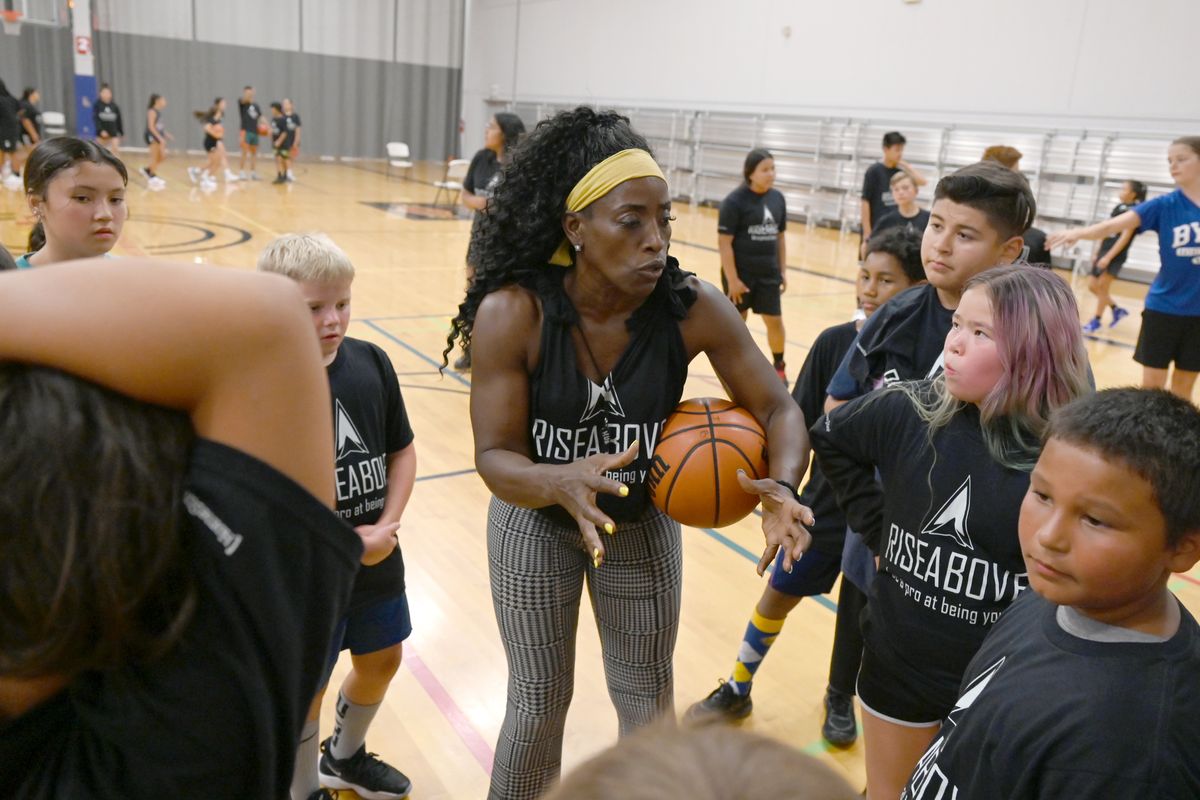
pixel 783 521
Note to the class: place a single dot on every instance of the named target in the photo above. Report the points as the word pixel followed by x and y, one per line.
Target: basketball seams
pixel 716 465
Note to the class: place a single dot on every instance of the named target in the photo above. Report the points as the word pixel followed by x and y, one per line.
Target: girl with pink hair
pixel 953 457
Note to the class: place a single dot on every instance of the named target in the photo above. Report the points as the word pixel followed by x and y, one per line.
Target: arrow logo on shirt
pixel 602 400
pixel 973 691
pixel 951 519
pixel 345 435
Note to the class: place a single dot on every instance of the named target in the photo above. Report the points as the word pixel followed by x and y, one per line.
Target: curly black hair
pixel 522 225
pixel 904 246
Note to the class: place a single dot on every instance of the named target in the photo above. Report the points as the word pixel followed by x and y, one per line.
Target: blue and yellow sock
pixel 760 635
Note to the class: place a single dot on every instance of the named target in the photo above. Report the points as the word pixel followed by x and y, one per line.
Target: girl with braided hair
pixel 582 328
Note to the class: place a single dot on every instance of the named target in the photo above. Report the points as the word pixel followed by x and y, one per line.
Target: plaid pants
pixel 537 569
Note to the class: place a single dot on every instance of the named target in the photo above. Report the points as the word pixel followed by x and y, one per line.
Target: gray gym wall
pixel 361 73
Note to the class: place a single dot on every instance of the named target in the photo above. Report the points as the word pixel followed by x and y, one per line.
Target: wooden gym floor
pixel 442 715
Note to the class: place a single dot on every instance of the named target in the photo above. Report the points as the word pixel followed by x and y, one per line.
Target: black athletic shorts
pixel 763 297
pixel 210 143
pixel 1168 337
pixel 1114 268
pixel 901 694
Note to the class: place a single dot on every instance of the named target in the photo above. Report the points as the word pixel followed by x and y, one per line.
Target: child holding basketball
pixel 976 222
pixel 1170 331
pixel 376 463
pixel 953 457
pixel 76 192
pixel 167 616
pixel 892 264
pixel 1086 687
pixel 1111 257
pixel 218 163
pixel 750 236
pixel 156 138
pixel 250 114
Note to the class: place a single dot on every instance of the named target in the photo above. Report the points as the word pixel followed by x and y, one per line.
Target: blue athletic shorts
pixel 815 573
pixel 370 629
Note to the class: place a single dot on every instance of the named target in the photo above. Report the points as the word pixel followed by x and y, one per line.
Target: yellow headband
pixel 602 179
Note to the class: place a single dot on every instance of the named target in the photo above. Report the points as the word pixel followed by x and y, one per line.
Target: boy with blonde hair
pixel 376 465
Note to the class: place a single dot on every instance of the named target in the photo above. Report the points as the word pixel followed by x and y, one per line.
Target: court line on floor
pixel 804 270
pixel 452 474
pixel 459 721
pixel 435 364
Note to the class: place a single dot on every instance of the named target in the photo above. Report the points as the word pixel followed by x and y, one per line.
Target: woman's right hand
pixel 575 487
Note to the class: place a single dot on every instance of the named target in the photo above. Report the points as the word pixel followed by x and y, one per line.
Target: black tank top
pixel 571 418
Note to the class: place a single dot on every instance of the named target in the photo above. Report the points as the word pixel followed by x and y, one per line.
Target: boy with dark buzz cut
pixel 976 222
pixel 376 465
pixel 1089 686
pixel 877 197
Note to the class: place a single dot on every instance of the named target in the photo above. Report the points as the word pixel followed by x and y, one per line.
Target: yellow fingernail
pixel 609 528
pixel 596 558
pixel 623 491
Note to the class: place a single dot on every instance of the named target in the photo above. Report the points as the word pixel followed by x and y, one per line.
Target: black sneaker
pixel 279 179
pixel 364 773
pixel 723 703
pixel 840 728
pixel 323 794
pixel 463 364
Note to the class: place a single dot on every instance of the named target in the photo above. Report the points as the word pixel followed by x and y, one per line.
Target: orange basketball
pixel 693 475
pixel 218 131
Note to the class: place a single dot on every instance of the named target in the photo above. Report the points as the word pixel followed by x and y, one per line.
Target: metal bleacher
pixel 819 162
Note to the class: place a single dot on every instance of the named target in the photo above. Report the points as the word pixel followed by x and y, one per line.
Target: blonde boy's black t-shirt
pixel 220 714
pixel 1043 715
pixel 369 424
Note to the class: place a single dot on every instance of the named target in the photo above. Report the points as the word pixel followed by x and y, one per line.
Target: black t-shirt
pixel 273 570
pixel 249 113
pixel 30 112
pixel 209 139
pixel 369 424
pixel 894 219
pixel 902 341
pixel 285 125
pixel 10 127
pixel 483 174
pixel 1035 242
pixel 1045 715
pixel 754 221
pixel 1107 244
pixel 943 519
pixel 829 531
pixel 107 118
pixel 571 418
pixel 877 190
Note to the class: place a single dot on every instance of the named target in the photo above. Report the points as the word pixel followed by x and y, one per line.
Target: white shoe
pixel 254 176
pixel 194 174
pixel 208 185
pixel 231 176
pixel 290 176
pixel 156 184
pixel 12 183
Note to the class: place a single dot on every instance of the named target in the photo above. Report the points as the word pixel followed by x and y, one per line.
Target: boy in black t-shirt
pixel 152 644
pixel 376 466
pixel 250 114
pixel 877 197
pixel 907 214
pixel 1089 687
pixel 285 137
pixel 978 216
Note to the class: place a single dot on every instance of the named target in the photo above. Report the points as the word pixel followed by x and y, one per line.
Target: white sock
pixel 305 780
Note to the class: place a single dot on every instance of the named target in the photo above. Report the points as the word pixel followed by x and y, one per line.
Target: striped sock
pixel 760 635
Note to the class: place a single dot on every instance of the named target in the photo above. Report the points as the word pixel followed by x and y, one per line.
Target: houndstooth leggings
pixel 537 569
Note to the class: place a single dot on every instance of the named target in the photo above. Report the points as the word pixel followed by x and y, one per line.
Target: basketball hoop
pixel 12 22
